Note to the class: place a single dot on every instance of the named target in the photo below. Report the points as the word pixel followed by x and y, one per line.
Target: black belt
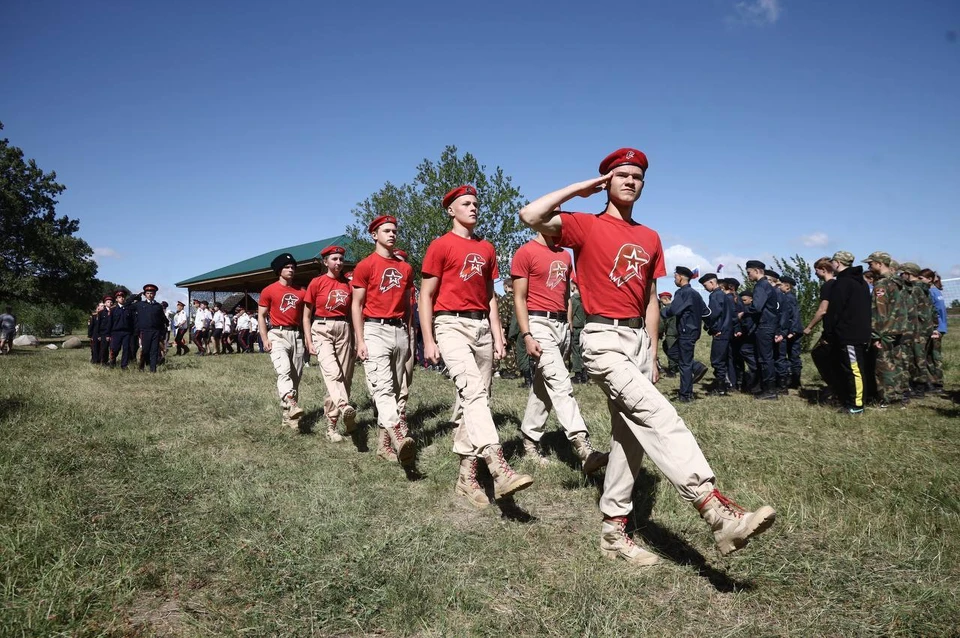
pixel 549 314
pixel 463 314
pixel 384 321
pixel 632 322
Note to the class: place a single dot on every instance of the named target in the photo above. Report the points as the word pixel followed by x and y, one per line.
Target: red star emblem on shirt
pixel 472 265
pixel 391 279
pixel 630 258
pixel 336 299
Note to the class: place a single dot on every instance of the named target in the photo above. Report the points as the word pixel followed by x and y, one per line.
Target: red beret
pixel 119 293
pixel 459 191
pixel 333 250
pixel 401 253
pixel 623 156
pixel 106 297
pixel 380 221
pixel 150 287
pixel 665 294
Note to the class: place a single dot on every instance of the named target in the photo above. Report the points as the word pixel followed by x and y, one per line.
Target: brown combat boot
pixel 533 451
pixel 732 526
pixel 403 446
pixel 590 458
pixel 467 484
pixel 349 415
pixel 616 543
pixel 505 480
pixel 291 408
pixel 332 435
pixel 384 447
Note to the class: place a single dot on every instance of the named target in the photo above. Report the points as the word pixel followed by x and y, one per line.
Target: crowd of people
pixel 608 319
pixel 120 329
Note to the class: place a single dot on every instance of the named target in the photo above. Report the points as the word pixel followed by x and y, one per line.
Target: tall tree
pixel 422 218
pixel 41 261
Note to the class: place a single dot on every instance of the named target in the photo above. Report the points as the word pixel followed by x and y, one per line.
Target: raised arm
pixel 542 213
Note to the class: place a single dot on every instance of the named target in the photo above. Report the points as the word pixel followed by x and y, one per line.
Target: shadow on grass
pixel 668 544
pixel 9 407
pixel 510 511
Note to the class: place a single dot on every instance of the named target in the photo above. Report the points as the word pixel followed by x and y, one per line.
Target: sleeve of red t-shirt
pixel 659 268
pixel 573 230
pixel 496 267
pixel 433 260
pixel 310 295
pixel 520 267
pixel 265 298
pixel 361 274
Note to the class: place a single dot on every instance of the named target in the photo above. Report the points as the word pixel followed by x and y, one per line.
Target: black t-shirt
pixel 826 288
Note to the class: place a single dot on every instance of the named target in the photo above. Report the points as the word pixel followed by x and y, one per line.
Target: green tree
pixel 41 261
pixel 422 219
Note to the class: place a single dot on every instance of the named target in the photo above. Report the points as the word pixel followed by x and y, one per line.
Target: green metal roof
pixel 302 252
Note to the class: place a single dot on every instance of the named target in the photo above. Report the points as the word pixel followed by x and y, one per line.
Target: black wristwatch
pixel 526 334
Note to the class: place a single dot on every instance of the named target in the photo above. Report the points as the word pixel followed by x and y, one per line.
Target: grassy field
pixel 176 504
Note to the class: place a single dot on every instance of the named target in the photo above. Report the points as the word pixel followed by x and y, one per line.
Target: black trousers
pixel 849 362
pixel 764 348
pixel 794 348
pixel 151 347
pixel 682 351
pixel 120 343
pixel 719 358
pixel 824 358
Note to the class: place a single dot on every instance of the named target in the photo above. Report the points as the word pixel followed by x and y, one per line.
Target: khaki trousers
pixel 333 341
pixel 407 379
pixel 286 353
pixel 551 383
pixel 641 419
pixel 387 348
pixel 466 346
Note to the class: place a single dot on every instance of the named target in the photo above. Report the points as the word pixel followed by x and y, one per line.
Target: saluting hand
pixel 593 186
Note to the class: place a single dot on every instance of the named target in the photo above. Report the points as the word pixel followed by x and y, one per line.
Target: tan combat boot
pixel 732 526
pixel 384 447
pixel 616 543
pixel 332 435
pixel 293 424
pixel 349 415
pixel 467 484
pixel 403 446
pixel 590 458
pixel 505 480
pixel 533 451
pixel 293 410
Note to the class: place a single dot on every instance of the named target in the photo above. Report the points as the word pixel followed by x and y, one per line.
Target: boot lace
pixel 504 466
pixel 472 476
pixel 621 523
pixel 731 507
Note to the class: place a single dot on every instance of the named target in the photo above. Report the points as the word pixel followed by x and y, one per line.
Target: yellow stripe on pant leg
pixel 857 377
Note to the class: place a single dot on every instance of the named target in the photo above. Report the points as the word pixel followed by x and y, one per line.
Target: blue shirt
pixel 764 307
pixel 688 308
pixel 936 296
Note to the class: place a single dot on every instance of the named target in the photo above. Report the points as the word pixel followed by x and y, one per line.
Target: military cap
pixel 707 277
pixel 665 295
pixel 380 221
pixel 107 297
pixel 621 157
pixel 732 282
pixel 203 302
pixel 150 288
pixel 754 263
pixel 164 304
pixel 333 250
pixel 747 293
pixel 682 270
pixel 459 191
pixel 771 273
pixel 280 262
pixel 878 256
pixel 119 293
pixel 180 303
pixel 843 257
pixel 786 279
pixel 910 268
pixel 401 253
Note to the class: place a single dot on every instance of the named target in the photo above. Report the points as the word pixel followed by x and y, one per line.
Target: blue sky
pixel 194 135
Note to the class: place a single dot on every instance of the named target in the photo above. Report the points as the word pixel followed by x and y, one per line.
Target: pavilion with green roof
pixel 252 275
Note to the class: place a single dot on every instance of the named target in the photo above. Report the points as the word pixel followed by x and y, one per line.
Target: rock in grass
pixel 51 346
pixel 71 344
pixel 26 340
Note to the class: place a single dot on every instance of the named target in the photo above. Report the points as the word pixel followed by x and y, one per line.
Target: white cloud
pixel 815 240
pixel 105 252
pixel 955 270
pixel 680 255
pixel 759 12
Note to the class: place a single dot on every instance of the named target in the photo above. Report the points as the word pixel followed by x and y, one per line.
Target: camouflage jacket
pixel 889 309
pixel 579 314
pixel 505 307
pixel 927 318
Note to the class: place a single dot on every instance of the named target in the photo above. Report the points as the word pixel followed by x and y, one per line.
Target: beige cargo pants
pixel 286 353
pixel 466 346
pixel 333 340
pixel 641 419
pixel 551 383
pixel 387 348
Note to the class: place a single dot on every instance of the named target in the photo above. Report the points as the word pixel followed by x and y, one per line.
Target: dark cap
pixel 280 262
pixel 683 270
pixel 747 293
pixel 150 288
pixel 164 304
pixel 756 263
pixel 786 279
pixel 771 273
pixel 120 293
pixel 707 277
pixel 732 282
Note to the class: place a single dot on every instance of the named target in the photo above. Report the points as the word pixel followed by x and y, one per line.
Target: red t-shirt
pixel 463 267
pixel 329 297
pixel 615 260
pixel 285 304
pixel 547 271
pixel 388 281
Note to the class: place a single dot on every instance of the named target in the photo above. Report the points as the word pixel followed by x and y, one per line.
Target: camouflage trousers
pixel 892 368
pixel 934 361
pixel 916 358
pixel 576 352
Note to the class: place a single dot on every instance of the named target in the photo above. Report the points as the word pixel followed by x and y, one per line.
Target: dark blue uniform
pixel 688 308
pixel 792 326
pixel 92 330
pixel 746 351
pixel 121 325
pixel 719 325
pixel 766 313
pixel 734 369
pixel 103 336
pixel 780 362
pixel 151 322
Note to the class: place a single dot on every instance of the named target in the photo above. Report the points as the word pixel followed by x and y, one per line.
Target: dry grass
pixel 176 504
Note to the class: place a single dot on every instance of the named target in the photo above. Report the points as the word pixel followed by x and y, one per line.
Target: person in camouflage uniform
pixel 924 328
pixel 579 321
pixel 669 334
pixel 508 365
pixel 889 323
pixel 934 343
pixel 911 329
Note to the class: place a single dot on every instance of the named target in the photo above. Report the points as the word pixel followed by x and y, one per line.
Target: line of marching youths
pixel 120 328
pixel 618 261
pixel 214 332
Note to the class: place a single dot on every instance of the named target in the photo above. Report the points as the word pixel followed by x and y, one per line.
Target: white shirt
pixel 203 319
pixel 218 320
pixel 226 323
pixel 180 319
